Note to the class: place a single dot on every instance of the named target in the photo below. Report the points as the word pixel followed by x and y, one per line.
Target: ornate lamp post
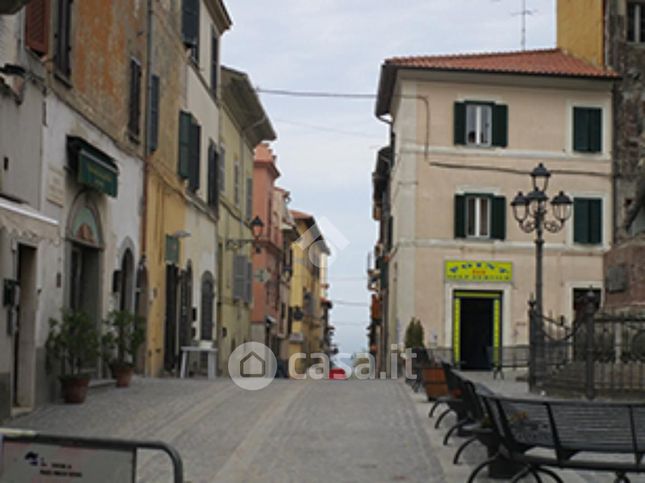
pixel 531 212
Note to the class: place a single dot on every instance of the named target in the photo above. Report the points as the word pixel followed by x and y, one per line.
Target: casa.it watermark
pixel 253 366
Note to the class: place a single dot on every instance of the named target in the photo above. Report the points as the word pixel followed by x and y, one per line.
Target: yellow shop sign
pixel 478 271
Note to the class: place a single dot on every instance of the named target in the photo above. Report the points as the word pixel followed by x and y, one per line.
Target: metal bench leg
pixel 443 415
pixel 621 478
pixel 521 474
pixel 460 424
pixel 434 408
pixel 535 474
pixel 455 460
pixel 550 473
pixel 481 466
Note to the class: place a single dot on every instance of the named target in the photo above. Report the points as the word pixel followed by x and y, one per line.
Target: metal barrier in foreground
pixel 32 456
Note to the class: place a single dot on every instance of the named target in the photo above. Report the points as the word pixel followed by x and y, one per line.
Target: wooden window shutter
pixel 500 125
pixel 498 220
pixel 460 216
pixel 460 123
pixel 239 276
pixel 185 122
pixel 194 156
pixel 134 109
pixel 580 220
pixel 62 60
pixel 595 221
pixel 37 26
pixel 580 129
pixel 213 188
pixel 249 198
pixel 248 283
pixel 222 170
pixel 155 96
pixel 595 130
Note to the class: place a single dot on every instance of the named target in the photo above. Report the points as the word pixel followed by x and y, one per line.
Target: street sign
pixel 46 463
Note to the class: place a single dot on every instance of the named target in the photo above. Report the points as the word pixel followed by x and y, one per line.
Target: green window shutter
pixel 595 221
pixel 581 220
pixel 500 125
pixel 498 221
pixel 460 216
pixel 134 110
pixel 249 198
pixel 222 169
pixel 213 171
pixel 248 285
pixel 580 129
pixel 194 156
pixel 185 122
pixel 460 123
pixel 153 133
pixel 595 130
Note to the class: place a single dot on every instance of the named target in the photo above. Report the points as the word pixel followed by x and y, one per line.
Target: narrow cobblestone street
pixel 348 431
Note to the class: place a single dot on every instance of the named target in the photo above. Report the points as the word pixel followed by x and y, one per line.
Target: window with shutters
pixel 134 106
pixel 153 129
pixel 214 61
pixel 190 27
pixel 480 216
pixel 587 129
pixel 249 198
pixel 481 124
pixel 213 172
pixel 636 22
pixel 587 221
pixel 185 121
pixel 221 181
pixel 237 183
pixel 248 282
pixel 194 165
pixel 37 26
pixel 240 275
pixel 62 55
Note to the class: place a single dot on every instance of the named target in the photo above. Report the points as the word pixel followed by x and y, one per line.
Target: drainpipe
pixel 146 137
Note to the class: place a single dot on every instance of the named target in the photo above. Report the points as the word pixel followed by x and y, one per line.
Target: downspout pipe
pixel 146 137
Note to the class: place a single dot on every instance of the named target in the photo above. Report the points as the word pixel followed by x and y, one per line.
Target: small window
pixel 62 59
pixel 587 129
pixel 480 216
pixel 587 221
pixel 481 124
pixel 190 27
pixel 636 22
pixel 478 124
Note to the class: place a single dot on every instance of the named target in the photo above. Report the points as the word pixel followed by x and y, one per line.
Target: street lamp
pixel 530 212
pixel 257 228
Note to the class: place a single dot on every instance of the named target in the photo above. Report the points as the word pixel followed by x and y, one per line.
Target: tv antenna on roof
pixel 525 12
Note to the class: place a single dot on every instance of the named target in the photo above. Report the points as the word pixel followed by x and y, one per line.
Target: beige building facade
pixel 467 133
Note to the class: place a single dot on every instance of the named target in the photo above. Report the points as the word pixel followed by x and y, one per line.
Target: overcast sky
pixel 327 148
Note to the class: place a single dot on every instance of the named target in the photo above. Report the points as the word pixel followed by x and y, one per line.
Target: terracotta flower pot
pixel 434 381
pixel 123 374
pixel 74 388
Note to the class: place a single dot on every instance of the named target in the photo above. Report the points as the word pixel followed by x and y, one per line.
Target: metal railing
pixel 26 444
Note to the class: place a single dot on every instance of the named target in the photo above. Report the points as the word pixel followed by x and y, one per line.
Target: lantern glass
pixel 540 177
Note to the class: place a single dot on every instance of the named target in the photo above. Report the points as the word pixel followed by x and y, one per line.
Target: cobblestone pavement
pixel 292 431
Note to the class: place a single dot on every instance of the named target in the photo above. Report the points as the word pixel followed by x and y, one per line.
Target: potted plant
pixel 120 343
pixel 73 342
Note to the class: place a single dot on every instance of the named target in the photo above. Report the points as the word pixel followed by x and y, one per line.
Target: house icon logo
pixel 252 366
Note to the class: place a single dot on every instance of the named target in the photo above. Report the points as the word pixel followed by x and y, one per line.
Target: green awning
pixel 93 167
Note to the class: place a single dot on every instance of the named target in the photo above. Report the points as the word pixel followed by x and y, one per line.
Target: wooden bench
pixel 610 435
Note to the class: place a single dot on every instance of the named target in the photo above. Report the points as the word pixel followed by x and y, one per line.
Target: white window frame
pixel 479 224
pixel 479 108
pixel 639 11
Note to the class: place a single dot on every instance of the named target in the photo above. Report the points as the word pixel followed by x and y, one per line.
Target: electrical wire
pixel 313 94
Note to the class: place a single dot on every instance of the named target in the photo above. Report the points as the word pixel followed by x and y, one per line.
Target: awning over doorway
pixel 93 167
pixel 26 221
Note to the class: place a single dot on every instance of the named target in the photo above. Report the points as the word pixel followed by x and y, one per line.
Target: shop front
pixel 478 291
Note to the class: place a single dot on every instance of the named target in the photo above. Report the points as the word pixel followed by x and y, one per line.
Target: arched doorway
pixel 85 245
pixel 126 285
pixel 207 308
